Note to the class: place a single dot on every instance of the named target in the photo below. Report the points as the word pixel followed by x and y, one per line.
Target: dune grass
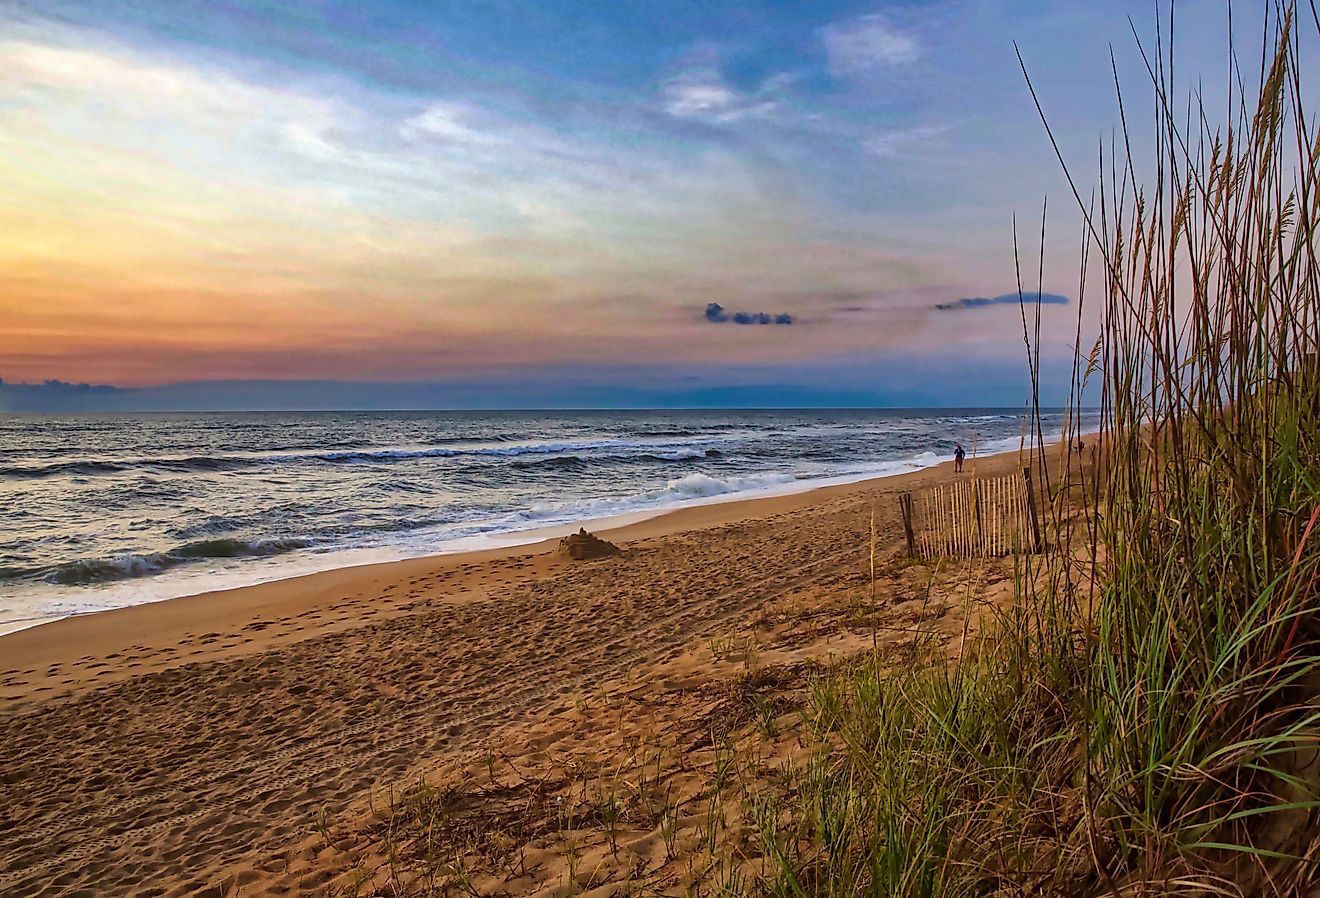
pixel 1147 719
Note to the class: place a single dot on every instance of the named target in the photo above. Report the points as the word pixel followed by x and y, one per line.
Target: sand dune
pixel 192 747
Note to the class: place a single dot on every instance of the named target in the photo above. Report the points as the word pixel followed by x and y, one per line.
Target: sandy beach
pixel 197 746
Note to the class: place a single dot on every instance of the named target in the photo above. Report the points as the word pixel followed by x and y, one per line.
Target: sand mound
pixel 582 545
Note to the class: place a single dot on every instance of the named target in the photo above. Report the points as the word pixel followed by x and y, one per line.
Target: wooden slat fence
pixel 973 517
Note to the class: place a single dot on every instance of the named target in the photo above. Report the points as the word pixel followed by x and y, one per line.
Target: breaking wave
pixel 669 450
pixel 122 567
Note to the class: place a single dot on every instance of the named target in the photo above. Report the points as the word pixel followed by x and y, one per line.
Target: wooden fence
pixel 978 516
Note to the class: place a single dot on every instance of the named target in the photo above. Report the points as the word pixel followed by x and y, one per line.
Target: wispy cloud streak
pixel 864 45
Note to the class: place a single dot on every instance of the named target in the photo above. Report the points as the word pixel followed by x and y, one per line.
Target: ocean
pixel 103 511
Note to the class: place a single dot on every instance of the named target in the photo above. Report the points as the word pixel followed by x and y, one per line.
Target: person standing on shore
pixel 958 456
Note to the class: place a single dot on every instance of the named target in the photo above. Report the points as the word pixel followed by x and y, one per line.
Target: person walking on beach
pixel 958 456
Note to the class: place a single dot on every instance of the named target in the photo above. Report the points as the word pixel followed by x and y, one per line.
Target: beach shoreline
pixel 497 542
pixel 161 622
pixel 139 512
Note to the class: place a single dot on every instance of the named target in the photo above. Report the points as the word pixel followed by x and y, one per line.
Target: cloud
pixel 64 85
pixel 700 92
pixel 867 44
pixel 976 302
pixel 889 143
pixel 716 314
pixel 445 121
pixel 67 70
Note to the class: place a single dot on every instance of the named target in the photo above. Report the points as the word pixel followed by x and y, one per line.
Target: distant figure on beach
pixel 1080 445
pixel 958 456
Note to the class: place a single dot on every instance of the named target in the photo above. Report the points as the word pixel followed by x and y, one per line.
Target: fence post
pixel 978 546
pixel 1031 510
pixel 905 503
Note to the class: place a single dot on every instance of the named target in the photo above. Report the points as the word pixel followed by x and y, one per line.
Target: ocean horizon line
pixel 293 410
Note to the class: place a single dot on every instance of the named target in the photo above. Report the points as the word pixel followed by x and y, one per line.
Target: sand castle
pixel 583 545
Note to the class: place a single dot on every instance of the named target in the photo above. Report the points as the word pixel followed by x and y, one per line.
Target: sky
pixel 680 194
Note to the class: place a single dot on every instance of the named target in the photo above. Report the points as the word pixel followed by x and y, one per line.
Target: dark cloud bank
pixel 976 302
pixel 715 314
